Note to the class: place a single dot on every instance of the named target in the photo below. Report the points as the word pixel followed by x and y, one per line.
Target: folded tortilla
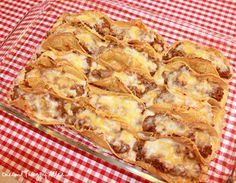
pixel 205 110
pixel 199 65
pixel 136 30
pixel 179 77
pixel 173 159
pixel 126 107
pixel 39 105
pixel 164 122
pixel 57 77
pixel 97 21
pixel 190 49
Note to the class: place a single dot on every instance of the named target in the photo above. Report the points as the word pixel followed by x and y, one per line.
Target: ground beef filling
pixel 15 95
pixel 70 119
pixel 136 91
pixel 89 62
pixel 158 44
pixel 224 74
pixel 149 124
pixel 86 49
pixel 120 147
pixel 173 53
pixel 158 165
pixel 138 149
pixel 79 90
pixel 101 74
pixel 178 170
pixel 205 151
pixel 103 29
pixel 165 77
pixel 149 85
pixel 217 93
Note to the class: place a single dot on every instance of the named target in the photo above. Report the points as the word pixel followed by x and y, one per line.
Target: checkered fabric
pixel 24 24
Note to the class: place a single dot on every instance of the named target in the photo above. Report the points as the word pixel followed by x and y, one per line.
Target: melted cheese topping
pixel 79 61
pixel 167 97
pixel 147 37
pixel 44 107
pixel 198 51
pixel 165 125
pixel 63 82
pixel 91 41
pixel 141 58
pixel 133 33
pixel 190 83
pixel 179 100
pixel 130 80
pixel 149 97
pixel 90 19
pixel 124 107
pixel 148 112
pixel 106 126
pixel 202 138
pixel 165 150
pixel 96 66
pixel 59 81
pixel 117 30
pixel 129 139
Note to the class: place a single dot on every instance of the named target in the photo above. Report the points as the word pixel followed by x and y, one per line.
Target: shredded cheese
pixel 122 106
pixel 198 51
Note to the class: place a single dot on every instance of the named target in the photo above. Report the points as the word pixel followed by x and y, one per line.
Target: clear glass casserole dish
pixel 18 48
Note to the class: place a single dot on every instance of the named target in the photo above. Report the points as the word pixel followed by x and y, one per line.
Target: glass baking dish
pixel 17 50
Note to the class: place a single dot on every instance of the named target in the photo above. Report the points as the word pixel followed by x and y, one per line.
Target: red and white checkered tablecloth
pixel 24 148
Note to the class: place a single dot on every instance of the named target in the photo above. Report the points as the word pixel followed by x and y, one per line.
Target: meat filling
pixel 79 89
pixel 205 151
pixel 120 147
pixel 15 93
pixel 158 45
pixel 149 124
pixel 85 48
pixel 224 74
pixel 138 149
pixel 147 84
pixel 101 74
pixel 173 53
pixel 104 28
pixel 217 93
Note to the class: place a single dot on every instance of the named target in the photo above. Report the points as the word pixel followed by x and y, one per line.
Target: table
pixel 26 151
